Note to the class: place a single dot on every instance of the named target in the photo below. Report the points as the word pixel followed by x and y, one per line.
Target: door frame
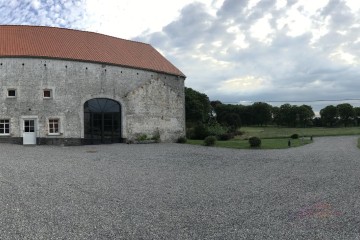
pixel 32 141
pixel 91 113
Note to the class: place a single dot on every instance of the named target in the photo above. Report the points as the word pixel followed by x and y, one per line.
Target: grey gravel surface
pixel 174 191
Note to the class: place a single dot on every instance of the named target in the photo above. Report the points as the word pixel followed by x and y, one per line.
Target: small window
pixel 4 126
pixel 11 93
pixel 53 126
pixel 47 93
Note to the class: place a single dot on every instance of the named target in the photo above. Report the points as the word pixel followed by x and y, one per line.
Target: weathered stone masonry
pixel 151 102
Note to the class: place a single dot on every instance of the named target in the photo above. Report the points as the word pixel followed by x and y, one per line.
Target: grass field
pixel 281 132
pixel 277 143
pixel 277 137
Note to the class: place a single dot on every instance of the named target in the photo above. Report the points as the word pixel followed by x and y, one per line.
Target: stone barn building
pixel 63 86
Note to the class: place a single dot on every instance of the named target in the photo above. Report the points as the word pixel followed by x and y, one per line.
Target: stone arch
pixel 102 121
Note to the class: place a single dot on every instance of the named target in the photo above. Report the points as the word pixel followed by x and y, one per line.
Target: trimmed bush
pixel 225 136
pixel 255 142
pixel 295 136
pixel 181 140
pixel 210 141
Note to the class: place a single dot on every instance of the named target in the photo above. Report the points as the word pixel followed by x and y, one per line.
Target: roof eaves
pixel 97 62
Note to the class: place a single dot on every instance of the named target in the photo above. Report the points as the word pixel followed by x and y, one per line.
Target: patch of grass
pixel 282 132
pixel 275 143
pixel 277 137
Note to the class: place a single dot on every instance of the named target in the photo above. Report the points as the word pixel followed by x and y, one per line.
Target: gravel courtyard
pixel 174 191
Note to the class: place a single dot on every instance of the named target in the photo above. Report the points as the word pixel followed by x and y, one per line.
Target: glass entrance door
pixel 102 121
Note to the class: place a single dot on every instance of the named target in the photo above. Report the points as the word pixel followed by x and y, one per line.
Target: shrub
pixel 216 130
pixel 141 137
pixel 294 136
pixel 200 132
pixel 190 133
pixel 255 142
pixel 210 141
pixel 181 140
pixel 156 136
pixel 225 136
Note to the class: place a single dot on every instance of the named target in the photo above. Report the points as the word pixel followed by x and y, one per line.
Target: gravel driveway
pixel 174 191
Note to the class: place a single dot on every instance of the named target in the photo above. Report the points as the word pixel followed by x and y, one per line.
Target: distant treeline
pixel 199 109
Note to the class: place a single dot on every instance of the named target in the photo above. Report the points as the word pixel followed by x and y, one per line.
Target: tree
pixel 216 103
pixel 329 115
pixel 357 115
pixel 357 111
pixel 293 115
pixel 197 106
pixel 232 120
pixel 245 113
pixel 287 115
pixel 261 113
pixel 304 115
pixel 275 113
pixel 346 113
pixel 317 122
pixel 227 115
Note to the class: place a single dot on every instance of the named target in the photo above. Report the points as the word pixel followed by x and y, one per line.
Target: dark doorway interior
pixel 102 121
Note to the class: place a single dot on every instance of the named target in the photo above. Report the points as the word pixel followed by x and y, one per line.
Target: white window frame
pixel 11 89
pixel 2 125
pixel 50 128
pixel 51 93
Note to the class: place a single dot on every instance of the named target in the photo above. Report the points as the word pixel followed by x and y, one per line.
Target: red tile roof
pixel 60 43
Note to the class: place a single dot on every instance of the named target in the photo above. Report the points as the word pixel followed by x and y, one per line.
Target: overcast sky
pixel 235 51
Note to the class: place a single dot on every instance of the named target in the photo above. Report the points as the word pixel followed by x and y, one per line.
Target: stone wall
pixel 151 102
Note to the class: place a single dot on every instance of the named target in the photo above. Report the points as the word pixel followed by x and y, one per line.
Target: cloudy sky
pixel 235 51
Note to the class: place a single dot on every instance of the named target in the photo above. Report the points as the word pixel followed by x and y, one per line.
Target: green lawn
pixel 277 143
pixel 281 132
pixel 277 137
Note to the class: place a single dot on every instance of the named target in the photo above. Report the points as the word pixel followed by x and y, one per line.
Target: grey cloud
pixel 333 6
pixel 194 21
pixel 232 7
pixel 263 7
pixel 291 2
pixel 341 16
pixel 292 64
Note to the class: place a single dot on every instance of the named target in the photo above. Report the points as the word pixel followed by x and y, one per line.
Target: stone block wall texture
pixel 151 102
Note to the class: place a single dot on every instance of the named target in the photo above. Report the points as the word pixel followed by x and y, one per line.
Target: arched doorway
pixel 102 121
